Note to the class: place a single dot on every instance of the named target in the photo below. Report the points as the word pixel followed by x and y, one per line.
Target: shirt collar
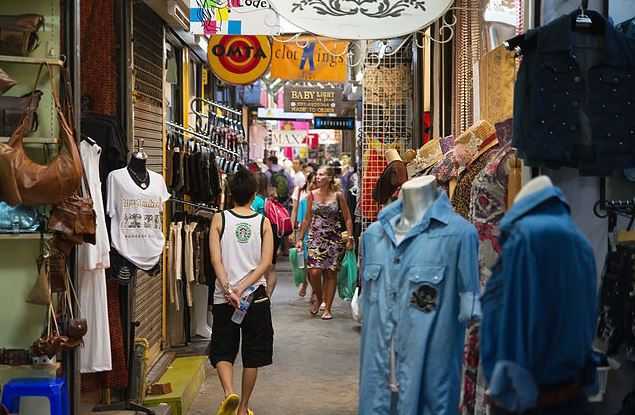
pixel 559 36
pixel 440 211
pixel 530 202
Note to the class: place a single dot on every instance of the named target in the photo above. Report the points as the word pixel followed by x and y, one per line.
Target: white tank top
pixel 241 248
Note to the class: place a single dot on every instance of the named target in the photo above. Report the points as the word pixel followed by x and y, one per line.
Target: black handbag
pixel 13 109
pixel 18 34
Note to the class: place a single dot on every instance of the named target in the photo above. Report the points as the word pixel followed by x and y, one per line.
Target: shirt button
pixel 577 79
pixel 575 104
pixel 632 132
pixel 564 123
pixel 572 128
pixel 396 260
pixel 542 121
pixel 614 90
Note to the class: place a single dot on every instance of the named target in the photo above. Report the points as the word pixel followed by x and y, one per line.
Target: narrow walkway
pixel 315 369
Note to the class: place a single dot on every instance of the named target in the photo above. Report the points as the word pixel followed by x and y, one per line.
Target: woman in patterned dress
pixel 326 219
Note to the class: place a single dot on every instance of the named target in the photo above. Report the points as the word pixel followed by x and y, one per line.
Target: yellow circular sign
pixel 239 60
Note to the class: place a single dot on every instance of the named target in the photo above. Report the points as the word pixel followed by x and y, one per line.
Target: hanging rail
pixel 195 205
pixel 221 106
pixel 202 138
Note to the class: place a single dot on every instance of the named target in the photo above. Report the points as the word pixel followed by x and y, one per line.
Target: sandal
pixel 327 316
pixel 315 309
pixel 302 291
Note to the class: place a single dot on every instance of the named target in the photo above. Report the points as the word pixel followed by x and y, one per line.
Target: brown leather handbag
pixel 12 110
pixel 6 82
pixel 75 218
pixel 18 34
pixel 28 183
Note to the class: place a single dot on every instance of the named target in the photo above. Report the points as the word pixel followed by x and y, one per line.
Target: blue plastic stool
pixel 53 389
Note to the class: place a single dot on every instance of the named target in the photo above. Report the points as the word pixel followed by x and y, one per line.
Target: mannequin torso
pixel 138 171
pixel 417 195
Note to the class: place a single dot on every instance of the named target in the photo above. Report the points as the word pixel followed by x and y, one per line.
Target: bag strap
pixel 26 123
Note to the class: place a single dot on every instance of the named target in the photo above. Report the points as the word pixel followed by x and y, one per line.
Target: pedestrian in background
pixel 298 213
pixel 258 205
pixel 329 230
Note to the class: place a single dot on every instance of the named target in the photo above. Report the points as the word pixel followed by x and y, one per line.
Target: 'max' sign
pixel 288 138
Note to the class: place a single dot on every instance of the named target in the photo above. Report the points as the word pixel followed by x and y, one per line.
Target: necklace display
pixel 143 182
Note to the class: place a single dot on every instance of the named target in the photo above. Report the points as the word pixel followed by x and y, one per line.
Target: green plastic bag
pixel 298 273
pixel 347 278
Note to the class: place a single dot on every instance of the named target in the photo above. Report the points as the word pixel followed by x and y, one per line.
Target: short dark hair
pixel 243 186
pixel 273 159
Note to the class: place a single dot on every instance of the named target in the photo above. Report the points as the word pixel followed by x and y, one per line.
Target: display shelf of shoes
pixel 23 236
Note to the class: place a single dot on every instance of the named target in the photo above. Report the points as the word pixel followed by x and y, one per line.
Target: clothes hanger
pixel 583 21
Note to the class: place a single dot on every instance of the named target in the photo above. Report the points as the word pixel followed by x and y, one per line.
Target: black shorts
pixel 257 333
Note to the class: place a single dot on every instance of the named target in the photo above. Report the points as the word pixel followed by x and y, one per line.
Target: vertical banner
pixel 310 58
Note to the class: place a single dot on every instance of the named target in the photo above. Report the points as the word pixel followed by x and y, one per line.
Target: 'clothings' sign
pixel 361 19
pixel 310 58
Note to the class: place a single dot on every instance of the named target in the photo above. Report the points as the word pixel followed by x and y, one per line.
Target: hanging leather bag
pixel 28 183
pixel 75 218
pixel 40 294
pixel 13 109
pixel 6 82
pixel 18 34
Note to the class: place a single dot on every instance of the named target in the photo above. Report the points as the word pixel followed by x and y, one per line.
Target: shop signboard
pixel 233 17
pixel 334 123
pixel 315 100
pixel 361 19
pixel 327 137
pixel 288 138
pixel 239 60
pixel 280 114
pixel 310 58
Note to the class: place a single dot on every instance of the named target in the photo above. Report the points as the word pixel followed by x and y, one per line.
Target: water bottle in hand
pixel 245 302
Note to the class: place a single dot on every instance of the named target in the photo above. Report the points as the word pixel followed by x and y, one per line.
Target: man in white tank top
pixel 241 244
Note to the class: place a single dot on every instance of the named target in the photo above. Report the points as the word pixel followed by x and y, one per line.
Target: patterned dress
pixel 326 248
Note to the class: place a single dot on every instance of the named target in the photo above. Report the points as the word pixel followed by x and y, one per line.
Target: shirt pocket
pixel 426 287
pixel 371 282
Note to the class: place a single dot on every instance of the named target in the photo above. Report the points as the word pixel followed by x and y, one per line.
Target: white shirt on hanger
pixel 93 261
pixel 136 227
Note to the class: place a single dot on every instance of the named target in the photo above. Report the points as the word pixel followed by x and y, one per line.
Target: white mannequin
pixel 417 195
pixel 533 186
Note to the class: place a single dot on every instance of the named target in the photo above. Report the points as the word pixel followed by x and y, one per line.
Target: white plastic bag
pixel 355 307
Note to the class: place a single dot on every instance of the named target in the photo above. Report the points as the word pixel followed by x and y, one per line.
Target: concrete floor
pixel 315 370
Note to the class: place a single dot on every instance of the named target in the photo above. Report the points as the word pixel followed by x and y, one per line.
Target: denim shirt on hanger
pixel 417 296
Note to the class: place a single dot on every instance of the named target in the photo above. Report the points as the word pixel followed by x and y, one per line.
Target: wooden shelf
pixel 23 236
pixel 31 61
pixel 33 141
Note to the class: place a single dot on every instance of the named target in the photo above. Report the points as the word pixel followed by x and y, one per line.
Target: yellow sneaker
pixel 229 405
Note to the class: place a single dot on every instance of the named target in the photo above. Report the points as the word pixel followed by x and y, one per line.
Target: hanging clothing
pixel 136 227
pixel 93 260
pixel 617 308
pixel 488 204
pixel 540 305
pixel 463 193
pixel 573 97
pixel 417 296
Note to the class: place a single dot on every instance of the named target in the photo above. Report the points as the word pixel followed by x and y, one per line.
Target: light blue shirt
pixel 540 305
pixel 417 296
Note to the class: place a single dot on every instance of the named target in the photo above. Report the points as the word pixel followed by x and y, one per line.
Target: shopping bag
pixel 298 273
pixel 355 309
pixel 347 278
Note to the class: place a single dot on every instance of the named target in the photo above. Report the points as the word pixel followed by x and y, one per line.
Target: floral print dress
pixel 326 248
